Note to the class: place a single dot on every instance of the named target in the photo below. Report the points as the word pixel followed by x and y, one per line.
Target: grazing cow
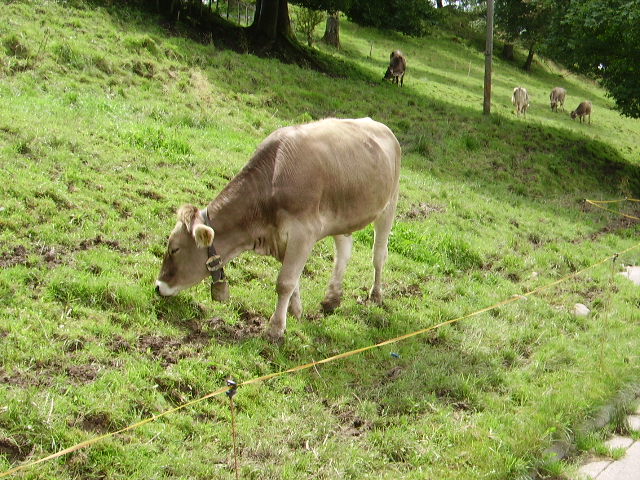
pixel 397 66
pixel 303 183
pixel 583 110
pixel 556 97
pixel 520 99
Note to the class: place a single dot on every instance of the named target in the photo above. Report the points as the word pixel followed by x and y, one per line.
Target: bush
pixel 407 16
pixel 306 20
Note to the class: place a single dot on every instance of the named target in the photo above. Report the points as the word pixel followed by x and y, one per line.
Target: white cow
pixel 520 99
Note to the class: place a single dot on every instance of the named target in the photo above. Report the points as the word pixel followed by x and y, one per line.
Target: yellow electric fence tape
pixel 600 203
pixel 306 366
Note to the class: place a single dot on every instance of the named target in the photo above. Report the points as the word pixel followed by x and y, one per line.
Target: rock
pixel 581 310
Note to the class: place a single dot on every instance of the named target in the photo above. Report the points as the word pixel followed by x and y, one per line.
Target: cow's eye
pixel 173 251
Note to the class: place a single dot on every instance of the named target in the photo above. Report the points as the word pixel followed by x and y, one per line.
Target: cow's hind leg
pixel 382 229
pixel 333 297
pixel 295 303
pixel 295 257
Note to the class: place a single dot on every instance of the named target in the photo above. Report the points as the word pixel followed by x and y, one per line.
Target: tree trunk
pixel 507 52
pixel 270 23
pixel 439 3
pixel 527 63
pixel 332 30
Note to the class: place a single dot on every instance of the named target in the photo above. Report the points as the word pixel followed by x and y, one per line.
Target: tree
pixel 332 30
pixel 406 16
pixel 306 22
pixel 526 21
pixel 601 38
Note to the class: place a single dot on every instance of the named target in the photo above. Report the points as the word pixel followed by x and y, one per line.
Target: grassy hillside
pixel 108 123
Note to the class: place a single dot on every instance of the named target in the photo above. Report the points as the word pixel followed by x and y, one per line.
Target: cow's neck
pixel 238 217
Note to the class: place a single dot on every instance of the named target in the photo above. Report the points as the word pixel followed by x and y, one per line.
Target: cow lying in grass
pixel 303 183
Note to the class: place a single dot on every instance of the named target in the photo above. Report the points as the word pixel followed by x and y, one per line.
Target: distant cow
pixel 520 99
pixel 397 66
pixel 303 183
pixel 556 97
pixel 582 111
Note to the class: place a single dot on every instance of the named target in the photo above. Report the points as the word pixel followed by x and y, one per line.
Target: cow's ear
pixel 203 235
pixel 189 216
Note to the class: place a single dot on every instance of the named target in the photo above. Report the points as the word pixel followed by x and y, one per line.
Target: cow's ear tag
pixel 203 235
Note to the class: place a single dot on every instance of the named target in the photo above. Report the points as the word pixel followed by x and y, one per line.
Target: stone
pixel 627 468
pixel 619 442
pixel 593 469
pixel 581 310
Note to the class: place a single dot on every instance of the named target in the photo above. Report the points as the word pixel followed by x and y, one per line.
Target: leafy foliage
pixel 601 38
pixel 407 16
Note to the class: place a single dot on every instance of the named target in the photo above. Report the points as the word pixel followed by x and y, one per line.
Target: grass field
pixel 108 123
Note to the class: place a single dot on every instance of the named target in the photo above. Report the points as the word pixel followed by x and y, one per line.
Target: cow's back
pixel 340 173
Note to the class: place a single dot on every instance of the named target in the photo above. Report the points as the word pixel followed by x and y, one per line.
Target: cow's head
pixel 388 74
pixel 184 263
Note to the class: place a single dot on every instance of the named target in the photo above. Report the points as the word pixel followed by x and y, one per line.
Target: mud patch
pixel 25 379
pixel 249 326
pixel 83 373
pixel 412 290
pixel 95 422
pixel 165 348
pixel 119 344
pixel 97 241
pixel 15 449
pixel 421 210
pixel 351 424
pixel 150 194
pixel 18 256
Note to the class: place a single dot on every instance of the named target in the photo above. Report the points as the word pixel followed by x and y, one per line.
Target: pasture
pixel 109 122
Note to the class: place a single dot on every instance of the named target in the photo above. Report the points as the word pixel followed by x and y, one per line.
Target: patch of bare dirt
pixel 83 373
pixel 351 424
pixel 119 344
pixel 421 210
pixel 166 348
pixel 412 290
pixel 95 422
pixel 249 326
pixel 15 449
pixel 97 241
pixel 150 194
pixel 18 256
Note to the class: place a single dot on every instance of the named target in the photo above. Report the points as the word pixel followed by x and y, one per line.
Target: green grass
pixel 108 123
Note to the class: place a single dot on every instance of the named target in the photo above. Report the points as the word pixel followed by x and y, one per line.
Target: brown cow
pixel 303 183
pixel 397 66
pixel 582 111
pixel 557 97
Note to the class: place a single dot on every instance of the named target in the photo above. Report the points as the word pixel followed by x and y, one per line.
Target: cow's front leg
pixel 333 297
pixel 288 278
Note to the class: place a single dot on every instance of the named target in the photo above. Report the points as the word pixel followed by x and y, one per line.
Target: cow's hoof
pixel 274 335
pixel 329 305
pixel 375 296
